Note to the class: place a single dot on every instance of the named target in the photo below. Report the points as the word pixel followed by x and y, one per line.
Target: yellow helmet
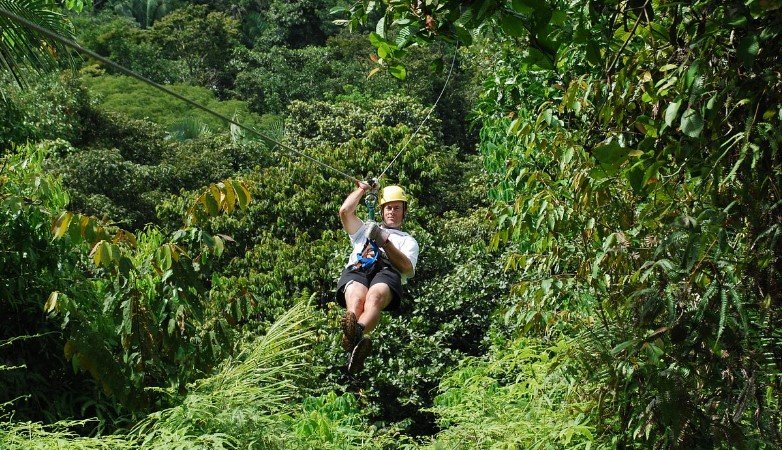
pixel 391 194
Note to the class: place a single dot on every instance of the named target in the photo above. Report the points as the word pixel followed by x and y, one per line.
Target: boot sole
pixel 359 355
pixel 348 324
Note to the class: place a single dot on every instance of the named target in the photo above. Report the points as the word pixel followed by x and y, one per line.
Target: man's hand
pixel 368 185
pixel 377 234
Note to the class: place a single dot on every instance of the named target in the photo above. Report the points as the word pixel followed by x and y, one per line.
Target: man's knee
pixel 379 296
pixel 355 292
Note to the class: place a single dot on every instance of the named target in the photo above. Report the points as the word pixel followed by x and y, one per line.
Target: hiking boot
pixel 359 355
pixel 350 330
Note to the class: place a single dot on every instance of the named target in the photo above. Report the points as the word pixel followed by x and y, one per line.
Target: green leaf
pixel 524 6
pixel 513 25
pixel 163 257
pixel 593 54
pixel 380 29
pixel 212 207
pixel 636 176
pixel 748 49
pixel 462 34
pixel 692 73
pixel 611 154
pixel 558 17
pixel 618 349
pixel 375 39
pixel 542 17
pixel 100 253
pixel 691 123
pixel 125 266
pixel 398 71
pixel 651 171
pixel 671 112
pixel 242 194
pixel 540 59
pixel 218 246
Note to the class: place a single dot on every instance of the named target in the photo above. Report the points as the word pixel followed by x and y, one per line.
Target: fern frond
pixel 723 312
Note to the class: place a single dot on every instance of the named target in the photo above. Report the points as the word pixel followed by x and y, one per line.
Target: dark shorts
pixel 379 273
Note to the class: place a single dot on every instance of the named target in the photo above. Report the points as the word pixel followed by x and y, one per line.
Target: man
pixel 372 281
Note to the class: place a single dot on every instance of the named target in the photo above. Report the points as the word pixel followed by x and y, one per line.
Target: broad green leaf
pixel 75 229
pixel 218 195
pixel 671 112
pixel 618 349
pixel 112 253
pixel 125 266
pixel 593 54
pixel 691 123
pixel 692 73
pixel 462 34
pixel 383 50
pixel 242 194
pixel 558 17
pixel 636 176
pixel 542 18
pixel 738 22
pixel 210 203
pixel 540 59
pixel 524 6
pixel 513 25
pixel 482 10
pixel 611 154
pixel 398 71
pixel 218 246
pixel 748 49
pixel 163 257
pixel 375 39
pixel 651 172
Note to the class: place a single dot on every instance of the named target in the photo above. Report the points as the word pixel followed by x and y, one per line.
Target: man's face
pixel 393 214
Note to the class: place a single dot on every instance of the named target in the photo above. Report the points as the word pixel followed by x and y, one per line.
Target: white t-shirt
pixel 401 240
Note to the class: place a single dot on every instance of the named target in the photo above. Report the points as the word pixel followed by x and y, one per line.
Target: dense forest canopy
pixel 595 187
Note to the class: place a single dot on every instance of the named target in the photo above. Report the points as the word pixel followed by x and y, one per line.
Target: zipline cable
pixel 46 32
pixel 448 78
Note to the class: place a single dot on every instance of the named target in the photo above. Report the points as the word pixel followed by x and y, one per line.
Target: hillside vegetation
pixel 595 187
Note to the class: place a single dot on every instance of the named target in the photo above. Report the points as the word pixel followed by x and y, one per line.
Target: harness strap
pixel 365 262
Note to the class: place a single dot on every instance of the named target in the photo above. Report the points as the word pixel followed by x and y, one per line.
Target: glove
pixel 377 234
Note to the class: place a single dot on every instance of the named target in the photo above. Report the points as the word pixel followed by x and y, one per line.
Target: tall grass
pixel 258 399
pixel 522 397
pixel 243 403
pixel 35 436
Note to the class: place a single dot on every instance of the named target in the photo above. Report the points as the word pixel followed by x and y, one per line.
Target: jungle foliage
pixel 663 117
pixel 596 197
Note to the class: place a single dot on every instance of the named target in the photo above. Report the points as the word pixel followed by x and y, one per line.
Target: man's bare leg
pixel 378 297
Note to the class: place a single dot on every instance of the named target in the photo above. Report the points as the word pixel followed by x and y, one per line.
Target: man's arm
pixel 347 212
pixel 399 260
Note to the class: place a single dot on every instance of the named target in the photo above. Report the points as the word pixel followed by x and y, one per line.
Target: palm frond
pixel 188 128
pixel 23 48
